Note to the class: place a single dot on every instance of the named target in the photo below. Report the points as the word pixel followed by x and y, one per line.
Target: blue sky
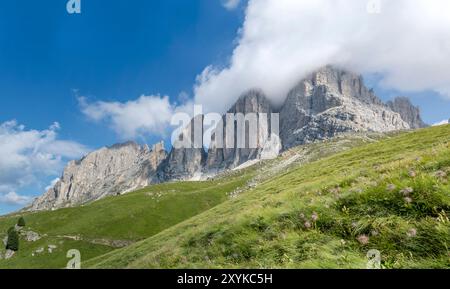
pixel 115 51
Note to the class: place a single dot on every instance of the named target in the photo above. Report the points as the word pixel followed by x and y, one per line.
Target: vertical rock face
pixel 108 171
pixel 332 101
pixel 251 134
pixel 185 162
pixel 408 112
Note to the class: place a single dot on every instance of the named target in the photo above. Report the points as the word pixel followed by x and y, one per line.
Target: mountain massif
pixel 328 102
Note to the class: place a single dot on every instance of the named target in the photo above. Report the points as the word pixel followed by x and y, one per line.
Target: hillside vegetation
pixel 323 205
pixel 392 196
pixel 102 226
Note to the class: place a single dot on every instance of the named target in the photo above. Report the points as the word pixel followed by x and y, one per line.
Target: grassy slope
pixel 128 218
pixel 355 194
pixel 139 215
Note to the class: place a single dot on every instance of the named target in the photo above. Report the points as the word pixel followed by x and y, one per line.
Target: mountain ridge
pixel 328 102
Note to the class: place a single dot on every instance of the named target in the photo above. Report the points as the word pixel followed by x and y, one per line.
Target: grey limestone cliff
pixel 332 101
pixel 408 112
pixel 109 171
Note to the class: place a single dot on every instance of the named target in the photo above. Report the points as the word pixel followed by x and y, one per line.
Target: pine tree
pixel 21 222
pixel 13 240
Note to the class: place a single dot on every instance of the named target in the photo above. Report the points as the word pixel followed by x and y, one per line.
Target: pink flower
pixel 391 187
pixel 411 233
pixel 315 217
pixel 408 200
pixel 407 191
pixel 363 239
pixel 441 174
pixel 307 225
pixel 412 174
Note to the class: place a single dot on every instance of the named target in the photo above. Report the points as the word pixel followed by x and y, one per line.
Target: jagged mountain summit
pixel 185 163
pixel 109 171
pixel 328 102
pixel 332 101
pixel 408 112
pixel 224 157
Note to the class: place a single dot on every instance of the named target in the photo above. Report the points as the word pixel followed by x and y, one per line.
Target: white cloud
pixel 444 122
pixel 281 41
pixel 12 198
pixel 28 155
pixel 230 4
pixel 136 118
pixel 52 184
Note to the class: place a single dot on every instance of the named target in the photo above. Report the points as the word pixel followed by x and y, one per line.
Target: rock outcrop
pixel 108 171
pixel 185 161
pixel 251 138
pixel 408 112
pixel 332 101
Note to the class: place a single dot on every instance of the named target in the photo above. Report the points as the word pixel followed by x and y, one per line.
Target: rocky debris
pixel 75 238
pixel 408 112
pixel 31 236
pixel 112 243
pixel 331 102
pixel 9 254
pixel 51 248
pixel 108 171
pixel 39 250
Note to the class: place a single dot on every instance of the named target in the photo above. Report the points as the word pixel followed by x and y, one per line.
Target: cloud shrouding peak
pixel 27 156
pixel 281 41
pixel 230 4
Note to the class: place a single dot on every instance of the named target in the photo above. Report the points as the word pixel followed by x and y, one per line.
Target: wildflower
pixel 343 242
pixel 411 233
pixel 302 216
pixel 441 174
pixel 307 225
pixel 407 191
pixel 412 174
pixel 408 200
pixel 391 187
pixel 359 190
pixel 374 233
pixel 315 217
pixel 363 239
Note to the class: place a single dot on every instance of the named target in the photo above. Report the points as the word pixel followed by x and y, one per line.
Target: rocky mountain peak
pixel 107 171
pixel 225 157
pixel 328 102
pixel 331 101
pixel 252 101
pixel 408 112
